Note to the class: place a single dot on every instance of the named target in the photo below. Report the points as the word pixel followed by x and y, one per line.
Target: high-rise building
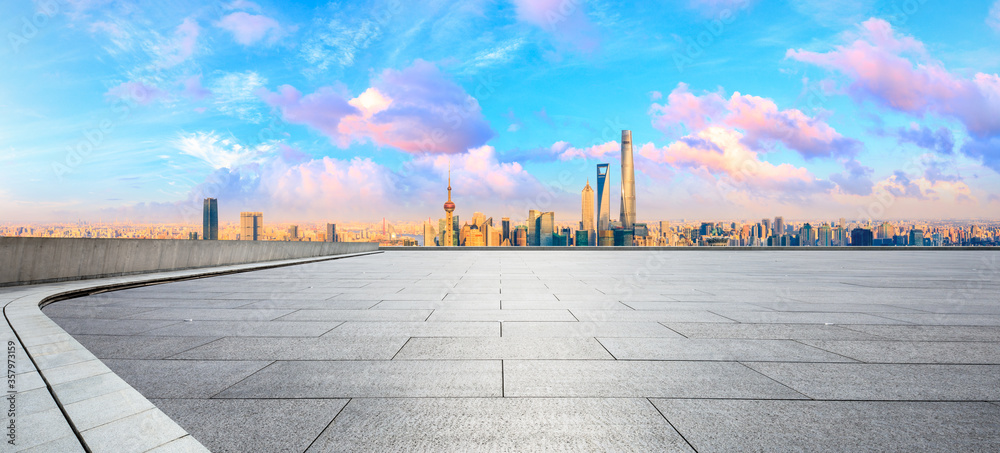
pixel 587 215
pixel 546 228
pixel 916 238
pixel 779 226
pixel 824 236
pixel 429 235
pixel 210 220
pixel 505 224
pixel 807 236
pixel 331 232
pixel 603 198
pixel 861 237
pixel 251 226
pixel 627 216
pixel 293 232
pixel 449 208
pixel 533 227
pixel 520 235
pixel 665 233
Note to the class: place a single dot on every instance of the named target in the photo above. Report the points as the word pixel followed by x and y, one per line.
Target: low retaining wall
pixel 25 260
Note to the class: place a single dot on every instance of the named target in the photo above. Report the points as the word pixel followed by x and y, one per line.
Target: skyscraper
pixel 546 228
pixel 505 231
pixel 779 226
pixel 429 235
pixel 251 226
pixel 331 232
pixel 824 237
pixel 533 227
pixel 587 218
pixel 449 208
pixel 210 220
pixel 627 216
pixel 603 198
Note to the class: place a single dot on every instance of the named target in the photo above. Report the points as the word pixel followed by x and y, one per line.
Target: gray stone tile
pixel 437 305
pixel 60 310
pixel 72 372
pixel 149 347
pixel 356 379
pixel 716 350
pixel 183 378
pixel 30 401
pixel 821 426
pixel 502 348
pixel 628 379
pixel 186 444
pixel 648 316
pixel 844 307
pixel 89 387
pixel 106 408
pixel 139 433
pixel 955 352
pixel 764 317
pixel 501 424
pixel 65 444
pixel 39 428
pixel 91 326
pixel 947 319
pixel 501 315
pixel 417 329
pixel 312 304
pixel 283 348
pixel 245 329
pixel 848 381
pixel 213 314
pixel 235 425
pixel 562 305
pixel 769 331
pixel 930 333
pixel 586 329
pixel 358 315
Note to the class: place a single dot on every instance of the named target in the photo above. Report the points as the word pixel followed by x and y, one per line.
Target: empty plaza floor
pixel 611 350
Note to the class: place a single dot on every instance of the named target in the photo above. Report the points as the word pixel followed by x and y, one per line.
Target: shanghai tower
pixel 627 216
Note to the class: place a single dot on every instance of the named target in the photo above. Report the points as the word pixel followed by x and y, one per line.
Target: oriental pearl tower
pixel 449 207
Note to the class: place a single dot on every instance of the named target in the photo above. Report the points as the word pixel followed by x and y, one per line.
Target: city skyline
pixel 312 112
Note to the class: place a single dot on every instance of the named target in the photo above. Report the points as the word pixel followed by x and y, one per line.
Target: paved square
pixel 689 350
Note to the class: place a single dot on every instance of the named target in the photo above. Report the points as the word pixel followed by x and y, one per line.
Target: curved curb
pixel 63 381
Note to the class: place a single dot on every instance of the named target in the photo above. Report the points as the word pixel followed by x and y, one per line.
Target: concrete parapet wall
pixel 25 260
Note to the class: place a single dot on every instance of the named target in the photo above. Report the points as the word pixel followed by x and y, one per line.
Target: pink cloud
pixel 896 72
pixel 136 92
pixel 759 118
pixel 566 20
pixel 182 45
pixel 720 152
pixel 193 88
pixel 417 110
pixel 248 29
pixel 322 110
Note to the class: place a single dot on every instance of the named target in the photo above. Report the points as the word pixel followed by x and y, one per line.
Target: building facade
pixel 251 226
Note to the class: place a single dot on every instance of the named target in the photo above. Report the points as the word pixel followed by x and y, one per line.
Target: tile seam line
pixel 679 433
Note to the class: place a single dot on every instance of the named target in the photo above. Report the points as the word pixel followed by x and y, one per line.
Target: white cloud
pixel 219 152
pixel 234 95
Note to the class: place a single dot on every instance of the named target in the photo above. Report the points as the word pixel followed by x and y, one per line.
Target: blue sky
pixel 355 110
